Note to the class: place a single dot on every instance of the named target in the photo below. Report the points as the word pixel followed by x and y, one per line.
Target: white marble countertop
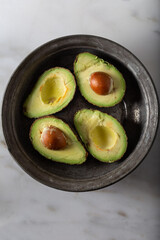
pixel 127 210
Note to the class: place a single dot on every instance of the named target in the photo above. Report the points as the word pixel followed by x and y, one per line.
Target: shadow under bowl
pixel 138 113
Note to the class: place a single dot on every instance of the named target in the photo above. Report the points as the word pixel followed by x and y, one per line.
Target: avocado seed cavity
pixel 103 137
pixel 53 138
pixel 101 83
pixel 52 90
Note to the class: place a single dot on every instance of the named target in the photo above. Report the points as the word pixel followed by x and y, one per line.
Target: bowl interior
pixel 132 112
pixel 123 112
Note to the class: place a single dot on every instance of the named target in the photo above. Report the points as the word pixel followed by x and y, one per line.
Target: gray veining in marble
pixel 127 210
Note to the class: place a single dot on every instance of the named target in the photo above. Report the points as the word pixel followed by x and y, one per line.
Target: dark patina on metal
pixel 138 113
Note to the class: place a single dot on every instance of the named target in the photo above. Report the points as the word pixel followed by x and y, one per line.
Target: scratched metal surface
pixel 138 113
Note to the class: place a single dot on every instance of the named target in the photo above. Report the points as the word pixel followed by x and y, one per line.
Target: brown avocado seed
pixel 53 138
pixel 101 83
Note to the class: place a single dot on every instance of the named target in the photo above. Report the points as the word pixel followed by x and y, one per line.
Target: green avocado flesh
pixel 53 91
pixel 103 135
pixel 73 153
pixel 86 64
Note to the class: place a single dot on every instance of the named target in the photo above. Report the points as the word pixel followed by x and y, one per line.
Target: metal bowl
pixel 138 113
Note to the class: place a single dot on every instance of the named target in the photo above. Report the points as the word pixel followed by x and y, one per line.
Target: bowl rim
pixel 77 185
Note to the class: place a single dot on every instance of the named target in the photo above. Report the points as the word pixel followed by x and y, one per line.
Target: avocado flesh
pixel 73 153
pixel 86 64
pixel 53 91
pixel 102 134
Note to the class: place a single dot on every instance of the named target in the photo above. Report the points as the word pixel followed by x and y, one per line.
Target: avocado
pixel 52 92
pixel 102 134
pixel 99 82
pixel 55 140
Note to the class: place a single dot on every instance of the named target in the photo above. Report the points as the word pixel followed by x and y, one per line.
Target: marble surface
pixel 127 210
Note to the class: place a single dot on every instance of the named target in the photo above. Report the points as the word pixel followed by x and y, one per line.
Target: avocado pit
pixel 53 138
pixel 101 83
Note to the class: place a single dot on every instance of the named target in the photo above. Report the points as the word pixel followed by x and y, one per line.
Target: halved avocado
pixel 87 65
pixel 72 153
pixel 53 91
pixel 102 134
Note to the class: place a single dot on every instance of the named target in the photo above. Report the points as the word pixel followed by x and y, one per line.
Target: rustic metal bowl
pixel 138 113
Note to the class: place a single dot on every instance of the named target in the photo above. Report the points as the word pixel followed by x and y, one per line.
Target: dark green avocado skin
pixel 89 63
pixel 86 120
pixel 41 109
pixel 74 153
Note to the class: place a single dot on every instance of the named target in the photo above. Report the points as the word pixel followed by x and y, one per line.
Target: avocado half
pixel 85 65
pixel 73 153
pixel 103 136
pixel 53 91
